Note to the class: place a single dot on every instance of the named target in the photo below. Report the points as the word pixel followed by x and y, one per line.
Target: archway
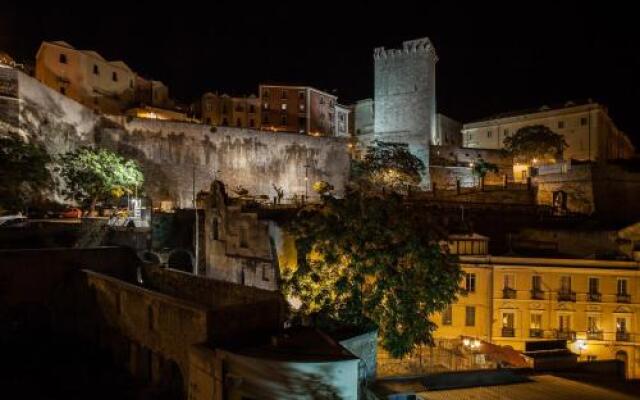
pixel 181 260
pixel 622 356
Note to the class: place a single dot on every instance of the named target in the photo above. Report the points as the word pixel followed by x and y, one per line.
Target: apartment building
pixel 224 110
pixel 593 304
pixel 586 126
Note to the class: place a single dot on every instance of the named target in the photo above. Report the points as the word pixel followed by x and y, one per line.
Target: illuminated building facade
pixel 509 301
pixel 224 110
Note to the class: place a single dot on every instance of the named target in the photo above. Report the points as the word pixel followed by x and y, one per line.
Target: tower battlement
pixel 422 45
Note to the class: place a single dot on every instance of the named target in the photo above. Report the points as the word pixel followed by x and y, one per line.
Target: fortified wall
pixel 174 157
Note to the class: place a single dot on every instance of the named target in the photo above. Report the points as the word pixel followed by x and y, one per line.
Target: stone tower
pixel 405 96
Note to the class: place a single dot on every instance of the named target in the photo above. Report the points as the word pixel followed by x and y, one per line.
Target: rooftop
pixel 536 110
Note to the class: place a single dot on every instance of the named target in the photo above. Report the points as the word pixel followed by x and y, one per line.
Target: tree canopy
pixel 534 142
pixel 94 174
pixel 481 168
pixel 24 172
pixel 372 258
pixel 387 164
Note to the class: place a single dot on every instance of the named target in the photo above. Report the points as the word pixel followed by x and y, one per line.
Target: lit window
pixel 301 106
pixel 283 106
pixel 63 59
pixel 470 282
pixel 265 106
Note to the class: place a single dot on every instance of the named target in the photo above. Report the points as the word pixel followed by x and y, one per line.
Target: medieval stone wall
pixel 171 153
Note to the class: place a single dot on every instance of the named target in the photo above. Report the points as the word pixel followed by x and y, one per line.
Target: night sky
pixel 492 59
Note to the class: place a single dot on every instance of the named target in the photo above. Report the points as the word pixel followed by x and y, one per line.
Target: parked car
pixel 72 212
pixel 13 221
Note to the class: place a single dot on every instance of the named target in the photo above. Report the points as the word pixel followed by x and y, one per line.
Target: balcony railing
pixel 567 296
pixel 566 335
pixel 508 293
pixel 508 332
pixel 623 298
pixel 537 294
pixel 594 335
pixel 592 296
pixel 535 332
pixel 623 336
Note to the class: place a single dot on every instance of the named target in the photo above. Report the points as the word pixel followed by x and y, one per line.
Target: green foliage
pixel 482 167
pixel 23 172
pixel 372 258
pixel 322 187
pixel 94 174
pixel 534 142
pixel 387 165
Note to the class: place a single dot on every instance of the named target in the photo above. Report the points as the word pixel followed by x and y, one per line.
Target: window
pixel 265 94
pixel 470 282
pixel 536 283
pixel 321 100
pixel 238 123
pixel 265 119
pixel 225 122
pixel 489 134
pixel 63 90
pixel 583 121
pixel 283 120
pixel 565 284
pixel 243 238
pixel 622 286
pixel 621 324
pixel 560 124
pixel 331 103
pixel 564 323
pixel 284 95
pixel 265 106
pixel 224 108
pixel 509 281
pixel 151 319
pixel 63 59
pixel 209 107
pixel 301 106
pixel 131 85
pixel 114 76
pixel 593 323
pixel 508 320
pixel 506 132
pixel 302 123
pixel 252 123
pixel 470 316
pixel 301 95
pixel 536 321
pixel 252 109
pixel 447 316
pixel 283 106
pixel 594 285
pixel 96 71
pixel 215 229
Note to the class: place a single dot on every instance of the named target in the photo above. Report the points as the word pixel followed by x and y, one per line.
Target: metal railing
pixel 623 298
pixel 566 335
pixel 508 332
pixel 536 333
pixel 593 296
pixel 567 296
pixel 537 294
pixel 595 335
pixel 508 293
pixel 623 336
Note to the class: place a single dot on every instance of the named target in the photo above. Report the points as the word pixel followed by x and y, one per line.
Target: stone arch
pixel 151 257
pixel 182 260
pixel 623 357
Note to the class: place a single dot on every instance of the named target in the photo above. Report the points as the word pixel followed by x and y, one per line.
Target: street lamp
pixel 306 181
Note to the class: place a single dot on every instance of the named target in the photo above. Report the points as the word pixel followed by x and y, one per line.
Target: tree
pixel 388 165
pixel 481 168
pixel 24 172
pixel 372 258
pixel 534 142
pixel 323 188
pixel 95 174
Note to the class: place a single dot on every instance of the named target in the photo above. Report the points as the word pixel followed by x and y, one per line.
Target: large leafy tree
pixel 481 168
pixel 368 257
pixel 24 172
pixel 534 142
pixel 94 174
pixel 387 164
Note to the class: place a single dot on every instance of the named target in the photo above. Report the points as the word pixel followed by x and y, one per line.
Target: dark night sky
pixel 492 59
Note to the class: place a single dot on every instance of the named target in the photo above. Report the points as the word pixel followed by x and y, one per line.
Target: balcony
pixel 537 294
pixel 536 333
pixel 567 296
pixel 623 336
pixel 508 293
pixel 508 332
pixel 566 335
pixel 595 335
pixel 623 298
pixel 592 296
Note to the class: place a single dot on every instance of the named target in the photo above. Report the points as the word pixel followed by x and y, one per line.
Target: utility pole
pixel 197 230
pixel 306 181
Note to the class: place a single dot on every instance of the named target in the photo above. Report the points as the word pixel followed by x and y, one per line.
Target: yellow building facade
pixel 509 301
